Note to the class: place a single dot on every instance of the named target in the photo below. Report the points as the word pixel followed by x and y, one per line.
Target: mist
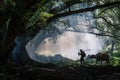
pixel 69 43
pixel 66 36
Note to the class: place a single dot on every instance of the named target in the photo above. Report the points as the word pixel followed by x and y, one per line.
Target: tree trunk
pixel 14 29
pixel 112 46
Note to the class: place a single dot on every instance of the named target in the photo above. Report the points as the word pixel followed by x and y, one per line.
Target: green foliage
pixel 116 61
pixel 37 19
pixel 10 3
pixel 46 15
pixel 108 21
pixel 115 58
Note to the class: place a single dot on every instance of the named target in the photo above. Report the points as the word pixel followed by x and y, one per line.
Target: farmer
pixel 83 55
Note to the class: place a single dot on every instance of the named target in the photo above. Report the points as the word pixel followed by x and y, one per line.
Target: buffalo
pixel 101 57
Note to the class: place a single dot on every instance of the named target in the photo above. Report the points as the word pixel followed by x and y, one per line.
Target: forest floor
pixel 82 72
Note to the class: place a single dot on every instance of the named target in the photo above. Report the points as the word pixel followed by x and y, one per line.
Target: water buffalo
pixel 101 57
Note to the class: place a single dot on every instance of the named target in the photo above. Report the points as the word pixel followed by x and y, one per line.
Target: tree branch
pixel 67 5
pixel 115 26
pixel 106 9
pixel 83 10
pixel 102 34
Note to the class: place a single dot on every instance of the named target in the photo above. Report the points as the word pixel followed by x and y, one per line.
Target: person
pixel 83 55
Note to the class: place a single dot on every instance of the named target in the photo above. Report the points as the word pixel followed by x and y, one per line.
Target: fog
pixel 66 36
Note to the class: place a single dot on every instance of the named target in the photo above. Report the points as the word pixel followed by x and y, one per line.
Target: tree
pixel 12 16
pixel 18 16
